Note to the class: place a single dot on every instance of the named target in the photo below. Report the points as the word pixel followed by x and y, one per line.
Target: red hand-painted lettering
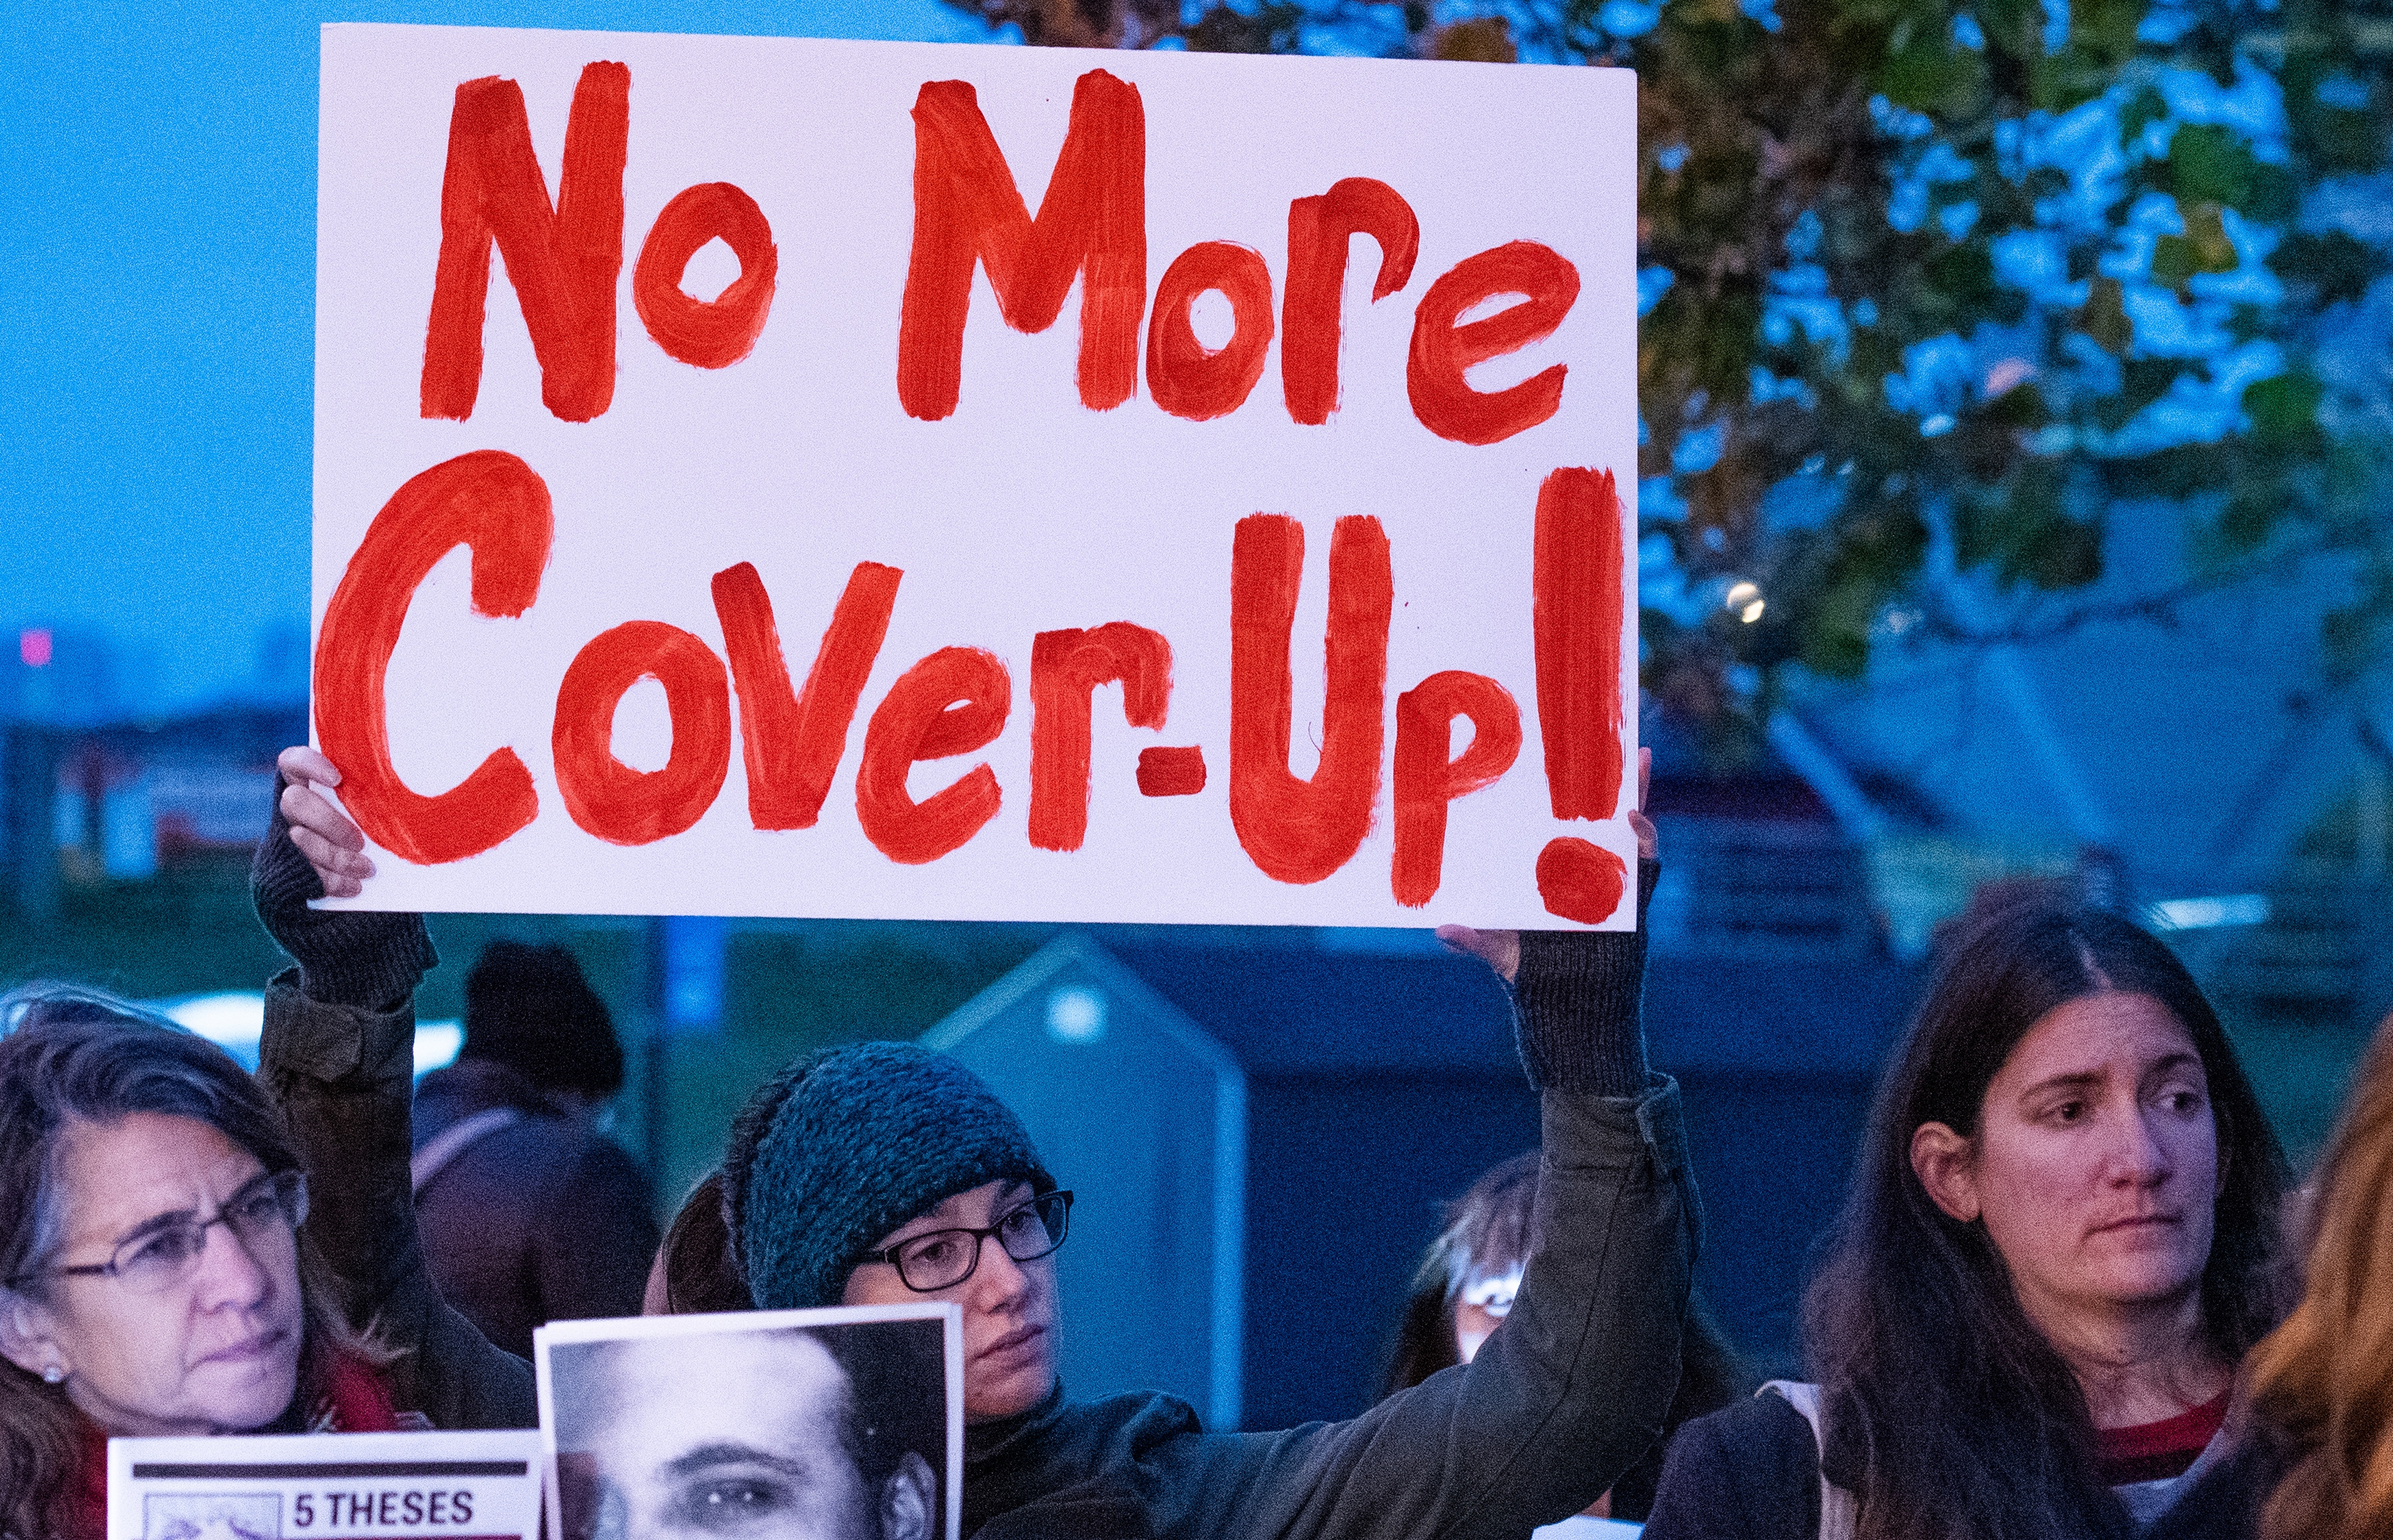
pixel 792 743
pixel 563 261
pixel 952 702
pixel 495 505
pixel 1091 224
pixel 1066 668
pixel 1311 314
pixel 1185 377
pixel 1427 783
pixel 1443 349
pixel 621 805
pixel 1301 830
pixel 711 334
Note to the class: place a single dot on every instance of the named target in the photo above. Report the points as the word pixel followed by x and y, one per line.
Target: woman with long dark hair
pixel 2055 1255
pixel 155 1276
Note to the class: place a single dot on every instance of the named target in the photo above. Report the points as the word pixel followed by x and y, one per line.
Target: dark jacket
pixel 541 1219
pixel 1558 1403
pixel 1751 1472
pixel 1553 1409
pixel 343 1078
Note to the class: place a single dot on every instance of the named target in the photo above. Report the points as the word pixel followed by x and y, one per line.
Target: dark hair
pixel 529 1009
pixel 701 1273
pixel 1486 1228
pixel 70 1054
pixel 1488 1232
pixel 889 1366
pixel 1962 1418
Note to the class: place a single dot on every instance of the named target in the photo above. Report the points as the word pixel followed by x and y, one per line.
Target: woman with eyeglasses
pixel 1463 1290
pixel 154 1276
pixel 881 1172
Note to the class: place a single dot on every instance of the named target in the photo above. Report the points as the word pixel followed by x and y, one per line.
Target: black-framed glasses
pixel 166 1252
pixel 942 1259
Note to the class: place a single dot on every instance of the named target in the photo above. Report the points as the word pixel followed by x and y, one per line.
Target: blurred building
pixel 85 805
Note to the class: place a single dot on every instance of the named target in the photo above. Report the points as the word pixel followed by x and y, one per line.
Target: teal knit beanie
pixel 866 1138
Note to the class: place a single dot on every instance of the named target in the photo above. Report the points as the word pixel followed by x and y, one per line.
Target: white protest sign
pixel 774 477
pixel 339 1486
pixel 847 1421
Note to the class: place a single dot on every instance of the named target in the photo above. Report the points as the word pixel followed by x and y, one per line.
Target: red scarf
pixel 356 1400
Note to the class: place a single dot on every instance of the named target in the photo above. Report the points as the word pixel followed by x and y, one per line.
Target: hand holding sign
pixel 1502 949
pixel 322 831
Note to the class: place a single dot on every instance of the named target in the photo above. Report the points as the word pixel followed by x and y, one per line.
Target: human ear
pixel 27 1338
pixel 1942 1161
pixel 906 1500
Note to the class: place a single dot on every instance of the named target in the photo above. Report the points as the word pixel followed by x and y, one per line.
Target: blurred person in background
pixel 1464 1289
pixel 2059 1246
pixel 529 1212
pixel 157 1271
pixel 2324 1379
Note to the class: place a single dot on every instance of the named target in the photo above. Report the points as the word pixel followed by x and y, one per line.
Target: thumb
pixel 1498 949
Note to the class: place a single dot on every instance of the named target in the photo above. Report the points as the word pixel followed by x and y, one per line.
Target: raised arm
pixel 1575 1388
pixel 338 1056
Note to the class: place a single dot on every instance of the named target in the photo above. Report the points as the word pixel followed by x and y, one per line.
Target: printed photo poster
pixel 843 1424
pixel 764 476
pixel 326 1486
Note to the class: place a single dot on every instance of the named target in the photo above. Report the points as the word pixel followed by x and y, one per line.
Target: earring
pixel 55 1374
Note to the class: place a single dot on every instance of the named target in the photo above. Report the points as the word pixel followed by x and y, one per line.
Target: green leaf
pixel 1965 273
pixel 2104 316
pixel 2284 407
pixel 2207 163
pixel 2245 524
pixel 2144 109
pixel 2204 248
pixel 2345 141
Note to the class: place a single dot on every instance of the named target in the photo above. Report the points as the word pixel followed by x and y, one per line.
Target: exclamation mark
pixel 1578 609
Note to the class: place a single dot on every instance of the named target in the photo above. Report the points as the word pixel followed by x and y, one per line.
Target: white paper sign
pixel 835 553
pixel 337 1486
pixel 839 1421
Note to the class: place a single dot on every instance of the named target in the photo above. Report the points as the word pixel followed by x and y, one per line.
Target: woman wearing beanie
pixel 884 1173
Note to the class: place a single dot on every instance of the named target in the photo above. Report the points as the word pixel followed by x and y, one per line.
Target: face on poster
pixel 840 1424
pixel 766 476
pixel 408 1487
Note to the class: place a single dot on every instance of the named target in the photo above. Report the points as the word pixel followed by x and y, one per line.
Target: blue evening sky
pixel 157 207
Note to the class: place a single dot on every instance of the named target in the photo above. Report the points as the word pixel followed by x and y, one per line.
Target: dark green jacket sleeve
pixel 344 1078
pixel 1549 1414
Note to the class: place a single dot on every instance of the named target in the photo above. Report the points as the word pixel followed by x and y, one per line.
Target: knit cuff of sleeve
pixel 345 957
pixel 1576 1003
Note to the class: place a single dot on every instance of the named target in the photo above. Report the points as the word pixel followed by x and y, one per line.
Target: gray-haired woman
pixel 155 1278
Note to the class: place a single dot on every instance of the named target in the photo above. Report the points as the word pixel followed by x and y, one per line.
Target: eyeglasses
pixel 1494 1294
pixel 942 1259
pixel 154 1259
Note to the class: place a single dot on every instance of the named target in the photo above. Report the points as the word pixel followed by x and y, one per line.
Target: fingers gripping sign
pixel 323 832
pixel 1502 949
